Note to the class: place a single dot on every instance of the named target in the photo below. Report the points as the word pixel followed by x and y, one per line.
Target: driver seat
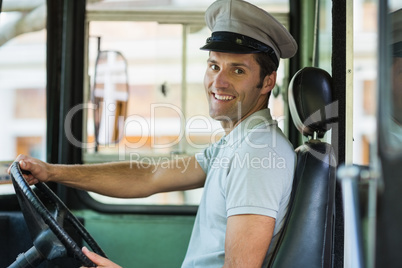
pixel 308 231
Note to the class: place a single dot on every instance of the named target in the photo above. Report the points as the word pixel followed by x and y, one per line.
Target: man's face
pixel 231 85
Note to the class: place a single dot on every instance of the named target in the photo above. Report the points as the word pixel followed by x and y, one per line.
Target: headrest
pixel 311 102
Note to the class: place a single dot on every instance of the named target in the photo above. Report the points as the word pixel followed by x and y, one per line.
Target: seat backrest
pixel 307 236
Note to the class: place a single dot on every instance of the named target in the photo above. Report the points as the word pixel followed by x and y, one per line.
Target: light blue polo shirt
pixel 249 171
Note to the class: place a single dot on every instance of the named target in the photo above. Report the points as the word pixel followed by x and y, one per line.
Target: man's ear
pixel 269 83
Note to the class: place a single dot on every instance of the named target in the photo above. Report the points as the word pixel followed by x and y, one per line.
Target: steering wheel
pixel 45 222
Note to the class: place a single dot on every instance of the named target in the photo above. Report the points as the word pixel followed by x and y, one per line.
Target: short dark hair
pixel 267 67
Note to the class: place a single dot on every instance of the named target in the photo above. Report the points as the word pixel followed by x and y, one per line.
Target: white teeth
pixel 223 97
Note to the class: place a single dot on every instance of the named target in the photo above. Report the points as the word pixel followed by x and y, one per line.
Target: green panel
pixel 141 240
pixel 306 45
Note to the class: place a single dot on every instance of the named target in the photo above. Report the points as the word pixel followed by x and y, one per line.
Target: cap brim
pixel 228 47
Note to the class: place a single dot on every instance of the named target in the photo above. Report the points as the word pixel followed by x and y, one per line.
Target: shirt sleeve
pixel 203 158
pixel 257 181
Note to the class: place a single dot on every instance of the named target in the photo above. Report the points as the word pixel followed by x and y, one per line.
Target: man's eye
pixel 214 67
pixel 239 71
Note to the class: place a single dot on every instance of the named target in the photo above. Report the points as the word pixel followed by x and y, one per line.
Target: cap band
pixel 244 41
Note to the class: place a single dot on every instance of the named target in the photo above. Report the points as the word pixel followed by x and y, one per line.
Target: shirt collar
pixel 258 118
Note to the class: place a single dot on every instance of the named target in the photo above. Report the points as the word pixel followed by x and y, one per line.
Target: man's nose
pixel 221 80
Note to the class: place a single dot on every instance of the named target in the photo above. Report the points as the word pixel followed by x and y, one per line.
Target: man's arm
pixel 247 240
pixel 119 179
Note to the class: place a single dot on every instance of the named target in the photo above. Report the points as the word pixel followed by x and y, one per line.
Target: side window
pixel 167 111
pixel 365 80
pixel 159 124
pixel 22 91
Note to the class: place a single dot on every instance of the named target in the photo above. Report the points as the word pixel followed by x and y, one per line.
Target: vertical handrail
pixel 353 243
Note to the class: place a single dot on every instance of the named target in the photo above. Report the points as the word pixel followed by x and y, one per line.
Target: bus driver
pixel 244 202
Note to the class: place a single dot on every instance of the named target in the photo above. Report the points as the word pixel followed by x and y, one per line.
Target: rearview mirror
pixel 110 96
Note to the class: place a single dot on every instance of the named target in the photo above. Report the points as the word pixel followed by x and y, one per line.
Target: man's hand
pixel 39 171
pixel 99 260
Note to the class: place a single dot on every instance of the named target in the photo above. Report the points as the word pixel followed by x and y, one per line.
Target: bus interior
pixel 93 81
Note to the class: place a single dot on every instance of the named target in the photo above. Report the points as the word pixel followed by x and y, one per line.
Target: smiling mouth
pixel 223 97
